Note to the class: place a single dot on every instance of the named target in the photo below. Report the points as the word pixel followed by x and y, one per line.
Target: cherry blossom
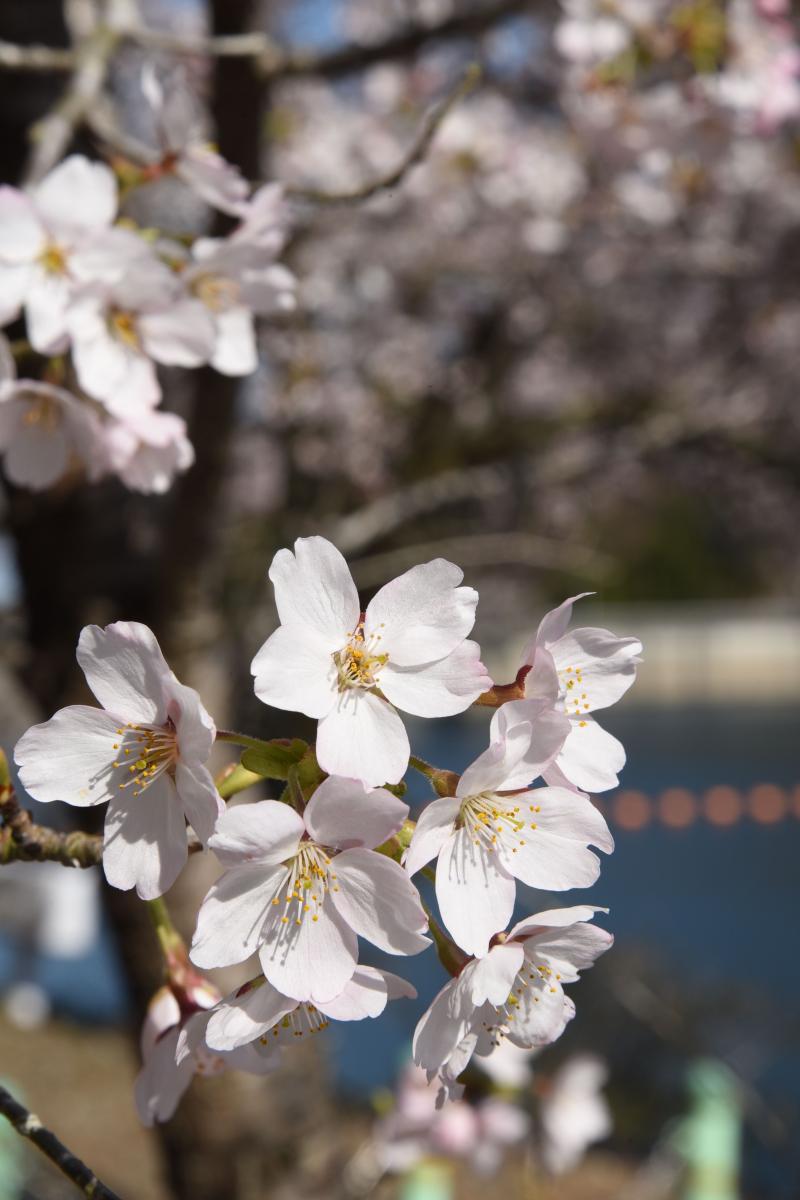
pixel 144 752
pixel 493 832
pixel 148 449
pixel 44 430
pixel 574 1112
pixel 42 234
pixel 577 671
pixel 352 670
pixel 258 1014
pixel 185 148
pixel 299 889
pixel 120 329
pixel 174 1051
pixel 515 992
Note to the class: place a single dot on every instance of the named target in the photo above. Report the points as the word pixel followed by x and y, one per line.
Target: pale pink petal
pixel 438 689
pixel 541 681
pixel 14 284
pixel 294 670
pixel 567 814
pixel 398 988
pixel 492 977
pixel 606 665
pixel 569 950
pixel 46 312
pixel 443 1026
pixel 363 737
pixel 312 960
pixel 491 770
pixel 244 1016
pixel 343 813
pixel 378 900
pixel 162 1082
pixel 194 726
pixel 314 587
pixel 118 375
pixel 474 891
pixel 423 614
pixel 591 757
pixel 554 624
pixel 179 336
pixel 216 181
pixel 549 731
pixel 78 196
pixel 435 824
pixel 36 456
pixel 235 350
pixel 265 834
pixel 230 920
pixel 554 918
pixel 365 995
pixel 202 804
pixel 144 843
pixel 540 1013
pixel 69 757
pixel 22 235
pixel 126 670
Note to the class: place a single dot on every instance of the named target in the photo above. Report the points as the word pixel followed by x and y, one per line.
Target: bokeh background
pixel 564 353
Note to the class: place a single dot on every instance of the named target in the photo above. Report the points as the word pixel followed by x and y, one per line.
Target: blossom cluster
pixel 120 300
pixel 334 860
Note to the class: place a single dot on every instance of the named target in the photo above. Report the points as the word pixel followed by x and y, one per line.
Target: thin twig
pixel 21 840
pixel 413 156
pixel 35 58
pixel 29 1126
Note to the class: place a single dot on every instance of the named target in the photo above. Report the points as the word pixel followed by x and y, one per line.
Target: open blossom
pixel 42 235
pixel 574 1112
pixel 147 449
pixel 174 1050
pixel 577 671
pixel 44 430
pixel 120 329
pixel 144 752
pixel 515 992
pixel 299 889
pixel 350 669
pixel 258 1014
pixel 492 833
pixel 186 150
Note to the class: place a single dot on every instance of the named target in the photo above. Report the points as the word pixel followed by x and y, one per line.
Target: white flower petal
pixel 216 181
pixel 14 284
pixel 554 624
pixel 126 670
pixel 265 834
pixel 438 689
pixel 363 737
pixel 492 977
pixel 445 1023
pixel 193 725
pixel 230 920
pixel 474 891
pixel 36 456
pixel 294 670
pixel 22 235
pixel 179 336
pixel 144 842
pixel 554 918
pixel 499 763
pixel 244 1016
pixel 365 995
pixel 606 664
pixel 435 824
pixel 161 1082
pixel 548 732
pixel 343 813
pixel 69 757
pixel 312 960
pixel 46 312
pixel 235 350
pixel 201 802
pixel 423 614
pixel 78 196
pixel 378 900
pixel 591 757
pixel 314 588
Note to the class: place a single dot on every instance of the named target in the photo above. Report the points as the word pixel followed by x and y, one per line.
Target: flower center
pixel 53 260
pixel 301 1020
pixel 309 879
pixel 147 752
pixel 359 663
pixel 216 291
pixel 43 413
pixel 492 820
pixel 123 327
pixel 532 977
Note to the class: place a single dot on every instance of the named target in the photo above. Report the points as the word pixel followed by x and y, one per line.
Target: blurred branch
pixel 29 1126
pixel 483 550
pixel 21 840
pixel 35 58
pixel 413 156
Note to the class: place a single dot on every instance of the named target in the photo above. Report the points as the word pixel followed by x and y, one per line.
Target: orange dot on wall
pixel 677 807
pixel 631 810
pixel 723 805
pixel 767 803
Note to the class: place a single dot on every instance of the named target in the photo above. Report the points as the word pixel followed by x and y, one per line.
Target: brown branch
pixel 29 1126
pixel 415 154
pixel 21 840
pixel 35 58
